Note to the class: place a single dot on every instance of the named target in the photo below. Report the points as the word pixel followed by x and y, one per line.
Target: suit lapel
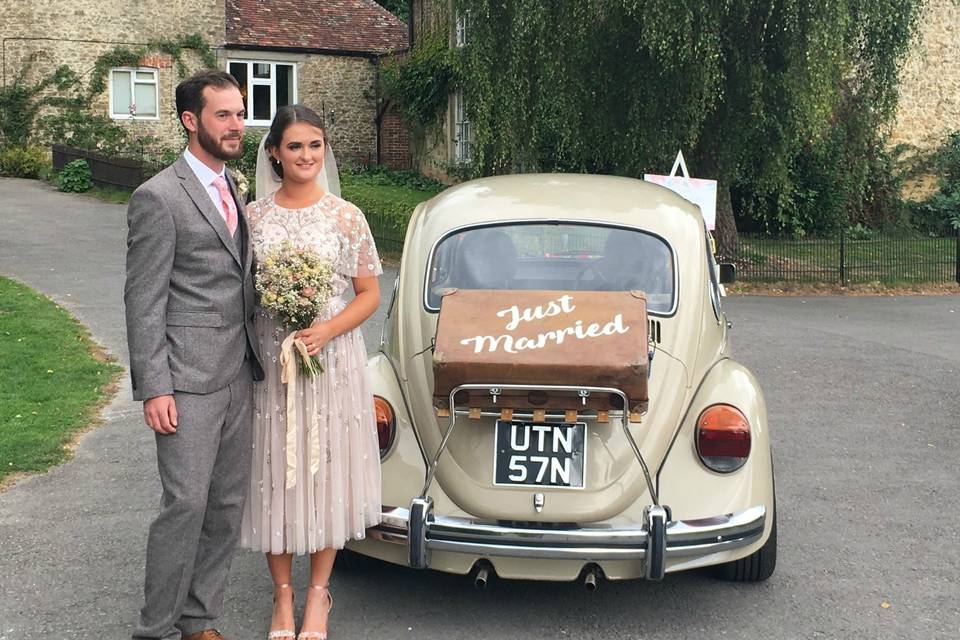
pixel 198 193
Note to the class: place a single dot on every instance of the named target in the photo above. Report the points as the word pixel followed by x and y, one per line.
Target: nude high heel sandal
pixel 281 633
pixel 319 635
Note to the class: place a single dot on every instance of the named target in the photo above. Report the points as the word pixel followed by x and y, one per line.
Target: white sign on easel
pixel 700 192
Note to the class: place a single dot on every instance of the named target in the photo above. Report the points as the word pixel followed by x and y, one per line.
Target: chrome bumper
pixel 423 532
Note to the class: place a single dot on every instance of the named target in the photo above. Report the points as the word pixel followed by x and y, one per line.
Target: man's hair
pixel 190 91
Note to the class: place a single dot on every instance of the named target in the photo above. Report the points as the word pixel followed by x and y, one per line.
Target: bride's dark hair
pixel 285 117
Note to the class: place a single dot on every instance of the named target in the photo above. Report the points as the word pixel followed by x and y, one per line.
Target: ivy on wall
pixel 422 82
pixel 21 102
pixel 123 56
pixel 63 91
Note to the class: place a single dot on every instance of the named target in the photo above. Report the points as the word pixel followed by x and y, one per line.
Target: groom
pixel 193 358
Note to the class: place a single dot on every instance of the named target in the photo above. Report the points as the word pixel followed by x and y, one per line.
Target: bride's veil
pixel 268 181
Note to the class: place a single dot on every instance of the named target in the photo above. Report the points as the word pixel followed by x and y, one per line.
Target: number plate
pixel 541 455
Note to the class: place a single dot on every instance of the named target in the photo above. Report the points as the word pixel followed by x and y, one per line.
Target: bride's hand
pixel 315 337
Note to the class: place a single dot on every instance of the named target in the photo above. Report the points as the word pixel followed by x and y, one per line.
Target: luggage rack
pixel 655 516
pixel 599 416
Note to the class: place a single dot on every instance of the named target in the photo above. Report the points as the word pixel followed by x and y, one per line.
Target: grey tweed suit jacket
pixel 189 291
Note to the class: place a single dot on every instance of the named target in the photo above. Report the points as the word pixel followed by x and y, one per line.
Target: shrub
pixel 387 207
pixel 941 211
pixel 247 163
pixel 24 162
pixel 76 177
pixel 383 176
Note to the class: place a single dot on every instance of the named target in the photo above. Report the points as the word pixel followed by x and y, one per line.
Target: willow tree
pixel 617 86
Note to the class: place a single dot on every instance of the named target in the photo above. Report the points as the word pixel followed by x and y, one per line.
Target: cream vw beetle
pixel 545 493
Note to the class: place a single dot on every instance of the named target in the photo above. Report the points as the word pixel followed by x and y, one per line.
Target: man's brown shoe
pixel 206 634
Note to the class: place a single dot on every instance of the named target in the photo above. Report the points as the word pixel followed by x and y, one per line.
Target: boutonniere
pixel 241 181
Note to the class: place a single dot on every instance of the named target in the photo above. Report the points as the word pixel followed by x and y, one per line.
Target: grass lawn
pixel 52 380
pixel 111 194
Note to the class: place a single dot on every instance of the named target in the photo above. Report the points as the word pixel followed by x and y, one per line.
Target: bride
pixel 315 482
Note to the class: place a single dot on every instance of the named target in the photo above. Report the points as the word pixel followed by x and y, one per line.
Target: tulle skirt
pixel 342 499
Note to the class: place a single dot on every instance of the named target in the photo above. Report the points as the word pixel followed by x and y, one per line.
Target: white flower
pixel 241 181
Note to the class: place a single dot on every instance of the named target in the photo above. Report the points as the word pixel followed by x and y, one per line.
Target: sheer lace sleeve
pixel 256 210
pixel 358 254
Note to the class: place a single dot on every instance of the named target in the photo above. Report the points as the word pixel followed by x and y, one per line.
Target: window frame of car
pixel 713 284
pixel 425 297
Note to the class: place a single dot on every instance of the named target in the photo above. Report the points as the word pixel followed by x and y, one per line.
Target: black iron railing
pixel 844 258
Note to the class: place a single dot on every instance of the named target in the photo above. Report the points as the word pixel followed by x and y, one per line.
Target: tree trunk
pixel 728 239
pixel 711 164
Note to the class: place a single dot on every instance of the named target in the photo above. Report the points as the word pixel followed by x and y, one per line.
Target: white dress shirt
pixel 206 176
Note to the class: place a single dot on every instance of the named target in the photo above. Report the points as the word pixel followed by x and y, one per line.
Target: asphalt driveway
pixel 864 403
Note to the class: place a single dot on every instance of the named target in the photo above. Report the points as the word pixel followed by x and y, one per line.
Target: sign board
pixel 700 192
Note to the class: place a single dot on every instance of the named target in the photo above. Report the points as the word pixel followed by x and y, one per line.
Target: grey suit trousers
pixel 204 469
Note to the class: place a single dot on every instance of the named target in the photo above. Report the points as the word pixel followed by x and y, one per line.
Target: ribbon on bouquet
pixel 289 369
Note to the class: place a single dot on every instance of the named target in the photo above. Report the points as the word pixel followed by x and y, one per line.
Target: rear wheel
pixel 756 567
pixel 354 562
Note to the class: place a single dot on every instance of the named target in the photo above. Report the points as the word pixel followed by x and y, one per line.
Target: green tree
pixel 617 86
pixel 399 8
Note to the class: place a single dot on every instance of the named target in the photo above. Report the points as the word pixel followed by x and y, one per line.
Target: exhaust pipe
pixel 590 579
pixel 480 579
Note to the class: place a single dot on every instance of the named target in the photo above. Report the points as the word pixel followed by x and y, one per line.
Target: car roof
pixel 561 196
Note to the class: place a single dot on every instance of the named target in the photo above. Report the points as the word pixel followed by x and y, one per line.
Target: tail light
pixel 386 424
pixel 723 438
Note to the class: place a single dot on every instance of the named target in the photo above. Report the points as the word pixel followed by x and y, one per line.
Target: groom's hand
pixel 160 414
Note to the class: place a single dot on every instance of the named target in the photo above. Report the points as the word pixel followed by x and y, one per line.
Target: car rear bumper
pixel 422 531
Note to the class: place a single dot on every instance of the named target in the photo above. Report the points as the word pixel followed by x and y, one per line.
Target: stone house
pixel 324 53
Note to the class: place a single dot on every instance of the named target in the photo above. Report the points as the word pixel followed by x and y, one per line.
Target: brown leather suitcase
pixel 589 338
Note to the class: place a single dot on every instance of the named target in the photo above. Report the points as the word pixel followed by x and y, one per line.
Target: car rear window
pixel 554 257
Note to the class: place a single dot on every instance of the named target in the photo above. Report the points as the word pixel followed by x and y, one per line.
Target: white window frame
pixel 463 131
pixel 133 71
pixel 271 82
pixel 463 24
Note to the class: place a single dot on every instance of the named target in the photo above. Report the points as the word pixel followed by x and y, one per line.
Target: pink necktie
pixel 229 205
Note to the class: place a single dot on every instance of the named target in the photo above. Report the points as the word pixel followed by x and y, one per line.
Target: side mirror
pixel 728 273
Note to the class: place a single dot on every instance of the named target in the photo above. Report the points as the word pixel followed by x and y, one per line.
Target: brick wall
pixel 394 141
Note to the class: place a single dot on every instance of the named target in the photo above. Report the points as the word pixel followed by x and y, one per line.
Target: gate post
pixel 956 257
pixel 843 259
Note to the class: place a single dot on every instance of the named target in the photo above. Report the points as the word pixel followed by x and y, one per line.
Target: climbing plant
pixel 63 92
pixel 421 82
pixel 21 101
pixel 617 86
pixel 123 56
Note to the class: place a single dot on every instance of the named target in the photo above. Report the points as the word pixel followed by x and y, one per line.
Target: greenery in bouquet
pixel 295 285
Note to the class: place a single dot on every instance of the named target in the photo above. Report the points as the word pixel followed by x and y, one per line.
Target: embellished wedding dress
pixel 334 427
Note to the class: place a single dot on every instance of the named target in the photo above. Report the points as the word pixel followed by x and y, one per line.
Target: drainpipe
pixel 410 23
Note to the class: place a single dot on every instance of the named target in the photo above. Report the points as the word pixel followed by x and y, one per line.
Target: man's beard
pixel 215 147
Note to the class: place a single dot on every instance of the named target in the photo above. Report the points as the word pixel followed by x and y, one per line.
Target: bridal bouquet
pixel 295 285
